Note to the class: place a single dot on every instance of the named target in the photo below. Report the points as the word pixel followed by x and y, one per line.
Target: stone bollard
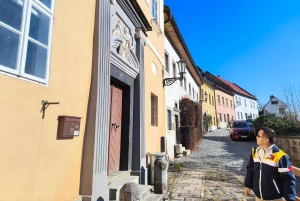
pixel 131 192
pixel 178 150
pixel 161 176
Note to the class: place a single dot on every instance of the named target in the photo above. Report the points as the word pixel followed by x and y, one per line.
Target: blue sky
pixel 255 44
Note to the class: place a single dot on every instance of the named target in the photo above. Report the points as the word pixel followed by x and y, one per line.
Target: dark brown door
pixel 177 130
pixel 115 129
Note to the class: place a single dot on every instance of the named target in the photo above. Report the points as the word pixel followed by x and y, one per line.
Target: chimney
pixel 219 76
pixel 271 97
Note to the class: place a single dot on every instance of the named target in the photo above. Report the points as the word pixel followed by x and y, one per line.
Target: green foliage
pixel 187 118
pixel 188 137
pixel 282 126
pixel 187 114
pixel 197 114
pixel 207 121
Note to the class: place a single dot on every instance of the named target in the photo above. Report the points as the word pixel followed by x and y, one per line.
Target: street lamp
pixel 181 67
pixel 205 96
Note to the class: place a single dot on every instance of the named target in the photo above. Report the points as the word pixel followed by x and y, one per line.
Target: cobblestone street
pixel 215 171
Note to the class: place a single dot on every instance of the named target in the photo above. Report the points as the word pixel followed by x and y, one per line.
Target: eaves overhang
pixel 136 14
pixel 173 33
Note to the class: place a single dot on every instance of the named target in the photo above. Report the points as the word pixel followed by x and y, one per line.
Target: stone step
pixel 153 197
pixel 186 152
pixel 146 189
pixel 112 177
pixel 114 187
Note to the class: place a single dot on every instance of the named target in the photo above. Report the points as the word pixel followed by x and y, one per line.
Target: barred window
pixel 153 110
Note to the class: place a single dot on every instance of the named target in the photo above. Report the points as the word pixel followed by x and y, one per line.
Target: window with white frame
pixel 167 62
pixel 25 38
pixel 174 70
pixel 169 120
pixel 193 93
pixel 154 9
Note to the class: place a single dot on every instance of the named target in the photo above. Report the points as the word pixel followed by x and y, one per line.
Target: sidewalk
pixel 212 175
pixel 211 184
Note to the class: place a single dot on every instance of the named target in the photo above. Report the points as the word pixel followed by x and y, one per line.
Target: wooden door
pixel 115 129
pixel 177 130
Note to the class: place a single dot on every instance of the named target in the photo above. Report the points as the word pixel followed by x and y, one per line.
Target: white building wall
pixel 244 105
pixel 274 108
pixel 174 93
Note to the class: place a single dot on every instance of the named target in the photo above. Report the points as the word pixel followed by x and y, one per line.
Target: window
pixel 231 103
pixel 213 101
pixel 238 114
pixel 193 94
pixel 209 99
pixel 190 89
pixel 223 100
pixel 154 9
pixel 250 104
pixel 254 105
pixel 184 84
pixel 169 119
pixel 25 38
pixel 228 118
pixel 214 120
pixel 224 117
pixel 154 110
pixel 281 111
pixel 246 116
pixel 226 102
pixel 241 115
pixel 220 117
pixel 274 102
pixel 174 70
pixel 219 99
pixel 245 102
pixel 167 62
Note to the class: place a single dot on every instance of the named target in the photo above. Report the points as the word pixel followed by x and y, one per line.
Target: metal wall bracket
pixel 45 106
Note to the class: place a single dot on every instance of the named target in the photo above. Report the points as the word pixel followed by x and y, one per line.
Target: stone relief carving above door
pixel 123 53
pixel 126 45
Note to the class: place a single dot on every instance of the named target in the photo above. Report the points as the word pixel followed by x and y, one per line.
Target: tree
pixel 291 97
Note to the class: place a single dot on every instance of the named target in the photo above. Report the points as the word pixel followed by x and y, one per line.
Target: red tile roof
pixel 236 88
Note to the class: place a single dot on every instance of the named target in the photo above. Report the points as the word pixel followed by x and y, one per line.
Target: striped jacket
pixel 271 177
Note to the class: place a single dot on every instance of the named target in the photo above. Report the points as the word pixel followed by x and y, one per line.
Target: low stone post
pixel 161 176
pixel 130 191
pixel 178 150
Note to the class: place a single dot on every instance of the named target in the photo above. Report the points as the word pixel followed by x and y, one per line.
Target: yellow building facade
pixel 208 106
pixel 154 68
pixel 56 67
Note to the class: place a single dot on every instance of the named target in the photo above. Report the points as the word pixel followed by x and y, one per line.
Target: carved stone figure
pixel 125 46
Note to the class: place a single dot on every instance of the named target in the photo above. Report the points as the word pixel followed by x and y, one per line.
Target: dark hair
pixel 270 134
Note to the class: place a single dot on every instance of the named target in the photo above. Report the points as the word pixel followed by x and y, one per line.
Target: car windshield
pixel 240 125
